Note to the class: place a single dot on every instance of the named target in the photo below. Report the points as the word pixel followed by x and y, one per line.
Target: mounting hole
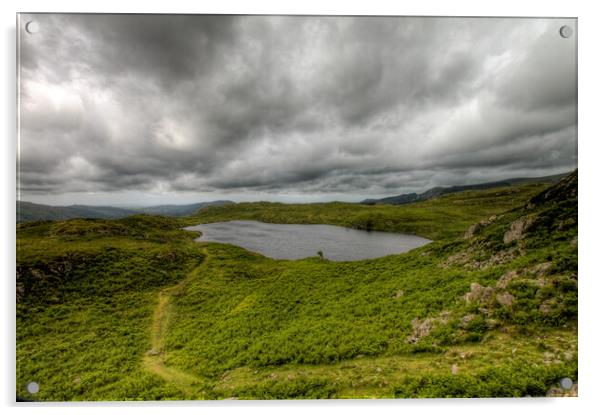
pixel 32 27
pixel 566 383
pixel 33 387
pixel 566 31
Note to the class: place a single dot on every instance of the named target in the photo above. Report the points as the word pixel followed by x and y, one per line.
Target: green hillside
pixel 438 218
pixel 134 309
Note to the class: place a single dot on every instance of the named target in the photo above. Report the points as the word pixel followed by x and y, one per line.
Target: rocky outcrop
pixel 477 227
pixel 504 298
pixel 505 279
pixel 486 297
pixel 420 329
pixel 565 189
pixel 517 229
pixel 479 295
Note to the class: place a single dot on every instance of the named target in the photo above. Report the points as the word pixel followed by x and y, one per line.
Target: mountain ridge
pixel 405 198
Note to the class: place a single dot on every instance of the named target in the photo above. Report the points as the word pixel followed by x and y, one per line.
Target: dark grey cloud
pixel 329 106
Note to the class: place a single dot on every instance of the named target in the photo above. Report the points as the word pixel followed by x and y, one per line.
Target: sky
pixel 152 109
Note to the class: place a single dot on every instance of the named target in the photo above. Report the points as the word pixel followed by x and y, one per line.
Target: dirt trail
pixel 154 359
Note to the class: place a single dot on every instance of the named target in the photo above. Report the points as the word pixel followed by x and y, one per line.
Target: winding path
pixel 154 360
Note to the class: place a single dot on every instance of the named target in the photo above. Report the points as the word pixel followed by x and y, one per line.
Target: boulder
pixel 505 298
pixel 479 294
pixel 517 229
pixel 506 278
pixel 420 329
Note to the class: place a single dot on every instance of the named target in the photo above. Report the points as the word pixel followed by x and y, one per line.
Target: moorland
pixel 134 309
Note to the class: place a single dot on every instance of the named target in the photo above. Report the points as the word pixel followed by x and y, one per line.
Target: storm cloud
pixel 321 108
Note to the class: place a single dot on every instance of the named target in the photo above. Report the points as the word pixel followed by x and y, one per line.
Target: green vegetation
pixel 439 218
pixel 134 309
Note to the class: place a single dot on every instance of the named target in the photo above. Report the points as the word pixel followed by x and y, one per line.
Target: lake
pixel 284 241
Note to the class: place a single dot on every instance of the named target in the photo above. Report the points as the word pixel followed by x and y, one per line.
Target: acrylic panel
pixel 295 207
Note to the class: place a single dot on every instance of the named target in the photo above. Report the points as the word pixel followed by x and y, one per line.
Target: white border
pixel 589 197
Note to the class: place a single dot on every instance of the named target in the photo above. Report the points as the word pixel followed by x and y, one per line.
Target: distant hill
pixel 28 211
pixel 439 191
pixel 181 210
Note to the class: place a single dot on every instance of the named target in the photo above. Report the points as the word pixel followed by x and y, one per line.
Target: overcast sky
pixel 177 109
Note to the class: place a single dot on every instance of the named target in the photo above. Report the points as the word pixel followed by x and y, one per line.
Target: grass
pixel 135 309
pixel 439 218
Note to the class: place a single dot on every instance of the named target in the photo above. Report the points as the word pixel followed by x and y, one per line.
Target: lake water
pixel 282 241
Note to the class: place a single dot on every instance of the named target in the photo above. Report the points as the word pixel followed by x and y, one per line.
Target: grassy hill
pixel 134 309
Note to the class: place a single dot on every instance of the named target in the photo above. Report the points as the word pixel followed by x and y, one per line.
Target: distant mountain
pixel 181 210
pixel 440 191
pixel 28 211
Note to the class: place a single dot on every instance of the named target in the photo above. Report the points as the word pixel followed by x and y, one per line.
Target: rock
pixel 498 258
pixel 420 329
pixel 474 229
pixel 454 369
pixel 505 298
pixel 506 278
pixel 464 321
pixel 152 352
pixel 459 258
pixel 399 294
pixel 517 229
pixel 541 269
pixel 479 294
pixel 477 227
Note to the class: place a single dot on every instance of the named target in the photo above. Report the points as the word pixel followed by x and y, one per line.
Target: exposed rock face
pixel 563 190
pixel 477 227
pixel 505 298
pixel 541 269
pixel 517 229
pixel 506 278
pixel 420 329
pixel 474 229
pixel 465 321
pixel 479 294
